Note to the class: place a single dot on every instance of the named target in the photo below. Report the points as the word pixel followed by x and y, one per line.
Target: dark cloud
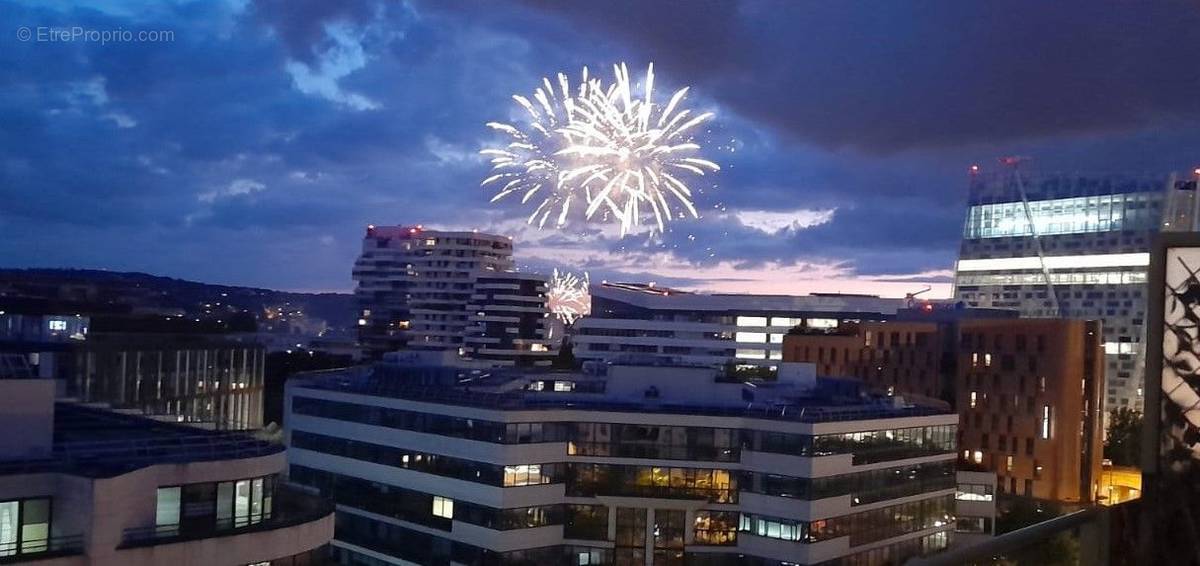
pixel 893 76
pixel 254 147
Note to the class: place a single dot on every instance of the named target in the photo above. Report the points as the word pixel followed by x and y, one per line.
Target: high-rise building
pixel 81 485
pixel 710 329
pixel 621 465
pixel 1072 246
pixel 1027 390
pixel 414 285
pixel 509 320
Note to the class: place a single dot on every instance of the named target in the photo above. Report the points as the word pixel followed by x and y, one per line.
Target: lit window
pixel 987 360
pixel 564 385
pixel 975 359
pixel 58 325
pixel 1046 421
pixel 751 354
pixel 751 337
pixel 756 321
pixel 973 399
pixel 977 457
pixel 443 507
pixel 1008 464
pixel 822 323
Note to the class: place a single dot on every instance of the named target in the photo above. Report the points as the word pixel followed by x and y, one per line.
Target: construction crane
pixel 910 299
pixel 1014 164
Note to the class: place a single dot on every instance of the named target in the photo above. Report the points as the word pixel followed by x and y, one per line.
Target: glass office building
pixel 1073 246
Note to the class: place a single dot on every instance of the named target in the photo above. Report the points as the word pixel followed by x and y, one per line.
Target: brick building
pixel 1027 390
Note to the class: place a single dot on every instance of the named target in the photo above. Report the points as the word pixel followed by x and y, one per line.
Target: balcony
pixel 41 549
pixel 290 507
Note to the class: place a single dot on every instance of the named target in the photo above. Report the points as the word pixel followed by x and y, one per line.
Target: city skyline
pixel 255 139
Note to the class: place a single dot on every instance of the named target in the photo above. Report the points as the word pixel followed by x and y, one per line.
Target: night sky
pixel 255 147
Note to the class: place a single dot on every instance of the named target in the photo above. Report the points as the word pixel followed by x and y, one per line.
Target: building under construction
pixel 1072 246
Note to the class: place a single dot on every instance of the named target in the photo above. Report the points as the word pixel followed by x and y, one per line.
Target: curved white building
pixel 414 285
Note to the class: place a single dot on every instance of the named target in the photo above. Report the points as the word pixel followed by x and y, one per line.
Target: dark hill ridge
pixel 142 290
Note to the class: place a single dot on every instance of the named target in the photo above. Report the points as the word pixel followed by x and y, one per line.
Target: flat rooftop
pixel 664 298
pixel 616 388
pixel 94 442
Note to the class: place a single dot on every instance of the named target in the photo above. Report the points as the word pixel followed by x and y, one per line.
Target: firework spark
pixel 626 157
pixel 569 298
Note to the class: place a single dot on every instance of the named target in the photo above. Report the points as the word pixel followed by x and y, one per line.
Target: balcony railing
pixel 291 507
pixel 40 549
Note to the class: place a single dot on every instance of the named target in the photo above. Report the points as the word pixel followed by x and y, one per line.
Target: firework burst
pixel 624 156
pixel 569 298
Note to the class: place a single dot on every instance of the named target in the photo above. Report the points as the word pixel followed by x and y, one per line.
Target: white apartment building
pixel 508 320
pixel 620 465
pixel 414 285
pixel 709 329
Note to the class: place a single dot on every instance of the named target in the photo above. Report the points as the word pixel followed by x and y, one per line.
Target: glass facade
pixel 658 442
pixel 205 507
pixel 589 480
pixel 862 487
pixel 866 447
pixel 643 441
pixel 862 528
pixel 443 425
pixel 1102 213
pixel 446 466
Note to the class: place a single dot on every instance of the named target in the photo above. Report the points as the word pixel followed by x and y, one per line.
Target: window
pixel 1047 427
pixel 166 515
pixel 58 325
pixel 751 337
pixel 35 525
pixel 977 457
pixel 974 492
pixel 24 526
pixel 973 399
pixel 443 507
pixel 1008 464
pixel 757 321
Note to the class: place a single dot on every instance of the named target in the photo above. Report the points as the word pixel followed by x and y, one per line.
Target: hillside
pixel 145 291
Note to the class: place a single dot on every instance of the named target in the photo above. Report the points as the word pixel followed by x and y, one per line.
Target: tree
pixel 1124 443
pixel 565 358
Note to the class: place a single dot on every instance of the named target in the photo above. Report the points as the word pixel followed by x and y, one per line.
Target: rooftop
pixel 651 296
pixel 95 442
pixel 796 395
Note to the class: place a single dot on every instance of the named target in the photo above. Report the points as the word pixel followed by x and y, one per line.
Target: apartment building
pixel 413 285
pixel 1027 390
pixel 1029 394
pixel 621 464
pixel 629 319
pixel 81 485
pixel 508 321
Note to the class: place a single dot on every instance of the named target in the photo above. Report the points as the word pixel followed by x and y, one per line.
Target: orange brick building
pixel 1027 390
